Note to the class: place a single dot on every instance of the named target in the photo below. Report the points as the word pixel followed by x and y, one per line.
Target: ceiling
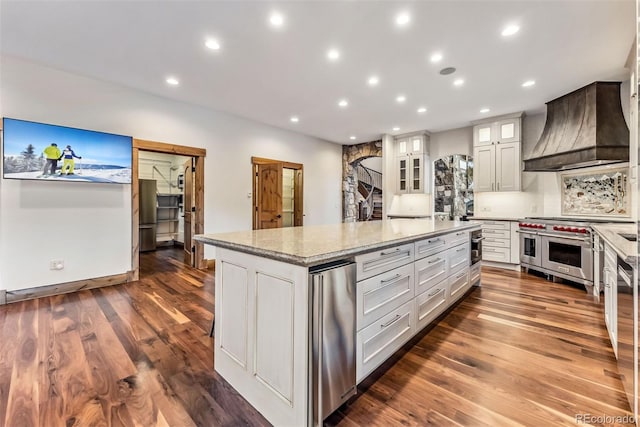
pixel 270 74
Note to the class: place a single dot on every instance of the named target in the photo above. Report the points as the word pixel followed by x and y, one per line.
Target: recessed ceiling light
pixel 294 119
pixel 343 103
pixel 333 54
pixel 276 19
pixel 373 81
pixel 173 81
pixel 212 44
pixel 396 129
pixel 436 57
pixel 401 98
pixel 485 110
pixel 458 82
pixel 510 30
pixel 402 19
pixel 422 110
pixel 352 137
pixel 528 83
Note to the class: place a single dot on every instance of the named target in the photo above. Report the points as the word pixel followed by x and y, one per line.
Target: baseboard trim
pixel 65 288
pixel 3 297
pixel 211 264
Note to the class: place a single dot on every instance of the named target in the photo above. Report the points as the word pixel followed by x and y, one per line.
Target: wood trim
pixel 162 147
pixel 298 208
pixel 286 165
pixel 254 200
pixel 135 217
pixel 198 219
pixel 65 288
pixel 211 264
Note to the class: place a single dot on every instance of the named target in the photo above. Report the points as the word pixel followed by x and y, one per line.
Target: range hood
pixel 583 128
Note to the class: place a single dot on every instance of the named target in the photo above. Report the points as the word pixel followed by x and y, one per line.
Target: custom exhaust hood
pixel 584 128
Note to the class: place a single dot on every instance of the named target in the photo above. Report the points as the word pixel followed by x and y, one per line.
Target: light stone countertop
pixel 486 218
pixel 318 244
pixel 626 249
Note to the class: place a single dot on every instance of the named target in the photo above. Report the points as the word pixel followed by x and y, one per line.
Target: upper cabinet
pixel 496 154
pixel 412 163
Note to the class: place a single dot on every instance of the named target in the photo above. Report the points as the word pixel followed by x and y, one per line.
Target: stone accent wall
pixel 352 155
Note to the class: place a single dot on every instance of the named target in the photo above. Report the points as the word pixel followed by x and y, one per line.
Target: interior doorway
pixel 171 208
pixel 277 193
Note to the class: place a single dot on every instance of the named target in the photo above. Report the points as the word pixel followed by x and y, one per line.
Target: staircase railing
pixel 372 179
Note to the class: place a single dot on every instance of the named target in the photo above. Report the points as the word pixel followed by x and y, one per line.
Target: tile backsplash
pixel 601 192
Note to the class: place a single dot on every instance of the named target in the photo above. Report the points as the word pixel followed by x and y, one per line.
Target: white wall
pixel 89 225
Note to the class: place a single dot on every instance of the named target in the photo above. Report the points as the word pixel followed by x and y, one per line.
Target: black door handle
pixel 278 216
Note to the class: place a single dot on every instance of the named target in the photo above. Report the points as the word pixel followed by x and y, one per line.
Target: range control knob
pixel 540 226
pixel 583 230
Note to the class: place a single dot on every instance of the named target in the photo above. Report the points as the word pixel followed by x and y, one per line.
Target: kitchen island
pixel 407 272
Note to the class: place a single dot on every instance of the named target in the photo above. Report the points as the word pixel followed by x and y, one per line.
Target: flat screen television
pixel 39 151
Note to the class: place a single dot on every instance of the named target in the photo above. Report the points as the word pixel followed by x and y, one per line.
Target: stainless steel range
pixel 558 247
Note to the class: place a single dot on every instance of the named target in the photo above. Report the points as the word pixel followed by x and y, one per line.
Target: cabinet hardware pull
pixel 433 240
pixel 461 276
pixel 460 250
pixel 390 279
pixel 434 260
pixel 460 233
pixel 390 322
pixel 437 291
pixel 390 252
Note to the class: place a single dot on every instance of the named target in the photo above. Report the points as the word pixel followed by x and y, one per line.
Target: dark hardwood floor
pixel 517 351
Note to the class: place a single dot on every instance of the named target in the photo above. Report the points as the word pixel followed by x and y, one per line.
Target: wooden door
pixel 268 209
pixel 188 206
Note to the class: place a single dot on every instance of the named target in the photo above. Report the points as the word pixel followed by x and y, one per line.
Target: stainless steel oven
pixel 569 257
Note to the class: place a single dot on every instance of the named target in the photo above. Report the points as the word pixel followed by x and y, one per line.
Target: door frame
pixel 298 190
pixel 160 147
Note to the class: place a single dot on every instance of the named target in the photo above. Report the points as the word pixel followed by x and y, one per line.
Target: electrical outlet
pixel 56 264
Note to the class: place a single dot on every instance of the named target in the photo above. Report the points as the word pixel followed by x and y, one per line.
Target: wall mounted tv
pixel 39 151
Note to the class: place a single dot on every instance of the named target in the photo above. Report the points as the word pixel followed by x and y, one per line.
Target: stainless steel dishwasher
pixel 333 336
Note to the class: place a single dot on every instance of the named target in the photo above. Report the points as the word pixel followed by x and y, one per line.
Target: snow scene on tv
pixel 46 152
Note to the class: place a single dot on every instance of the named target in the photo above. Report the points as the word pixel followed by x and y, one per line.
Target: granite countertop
pixel 626 249
pixel 318 244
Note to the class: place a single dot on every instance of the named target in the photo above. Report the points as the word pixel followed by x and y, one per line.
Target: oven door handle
pixel 581 239
pixel 533 233
pixel 478 240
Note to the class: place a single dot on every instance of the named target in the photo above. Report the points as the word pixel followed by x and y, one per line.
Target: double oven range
pixel 558 247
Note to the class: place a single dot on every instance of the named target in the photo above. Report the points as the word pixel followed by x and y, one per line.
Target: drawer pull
pixel 390 252
pixel 437 291
pixel 460 233
pixel 392 321
pixel 434 260
pixel 461 276
pixel 460 250
pixel 433 240
pixel 390 279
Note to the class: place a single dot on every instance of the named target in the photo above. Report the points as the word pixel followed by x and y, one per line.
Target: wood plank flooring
pixel 517 351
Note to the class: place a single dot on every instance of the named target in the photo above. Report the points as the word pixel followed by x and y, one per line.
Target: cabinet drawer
pixel 454 239
pixel 496 225
pixel 430 304
pixel 459 257
pixel 458 284
pixel 495 233
pixel 381 339
pixel 373 263
pixel 475 274
pixel 430 246
pixel 430 270
pixel 379 295
pixel 496 242
pixel 496 254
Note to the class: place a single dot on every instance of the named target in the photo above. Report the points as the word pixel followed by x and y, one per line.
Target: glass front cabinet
pixel 412 165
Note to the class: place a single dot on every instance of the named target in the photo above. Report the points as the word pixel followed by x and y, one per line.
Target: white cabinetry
pixel 397 296
pixel 610 280
pixel 501 244
pixel 413 167
pixel 496 154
